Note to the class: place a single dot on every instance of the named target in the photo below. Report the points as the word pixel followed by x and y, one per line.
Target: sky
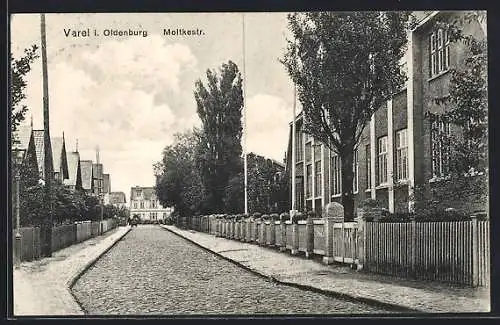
pixel 130 94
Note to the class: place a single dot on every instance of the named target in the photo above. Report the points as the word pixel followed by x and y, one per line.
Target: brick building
pixel 145 203
pixel 399 148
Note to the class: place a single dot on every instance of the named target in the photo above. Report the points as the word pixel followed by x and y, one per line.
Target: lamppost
pixel 18 160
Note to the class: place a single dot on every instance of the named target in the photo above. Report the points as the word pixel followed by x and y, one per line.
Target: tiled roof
pixel 147 192
pixel 86 170
pixel 57 146
pixel 73 158
pixel 117 197
pixel 106 183
pixel 39 148
pixel 22 137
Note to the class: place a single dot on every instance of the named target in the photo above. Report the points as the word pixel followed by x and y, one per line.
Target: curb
pixel 77 275
pixel 332 293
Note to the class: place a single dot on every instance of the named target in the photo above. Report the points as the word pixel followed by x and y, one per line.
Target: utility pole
pixel 245 162
pixel 99 182
pixel 48 167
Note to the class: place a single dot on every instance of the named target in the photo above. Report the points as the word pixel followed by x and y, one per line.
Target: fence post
pixel 360 240
pixel 283 218
pixel 309 237
pixel 413 270
pixel 295 238
pixel 475 252
pixel 328 258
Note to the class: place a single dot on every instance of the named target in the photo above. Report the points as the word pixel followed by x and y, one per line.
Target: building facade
pixel 145 204
pixel 399 148
pixel 118 199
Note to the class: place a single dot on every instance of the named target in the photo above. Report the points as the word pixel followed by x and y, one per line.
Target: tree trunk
pixel 347 184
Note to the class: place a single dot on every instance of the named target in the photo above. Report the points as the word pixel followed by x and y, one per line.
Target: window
pixel 153 204
pixel 309 180
pixel 401 155
pixel 299 153
pixel 164 215
pixel 355 171
pixel 135 205
pixel 308 137
pixel 317 179
pixel 142 204
pixel 439 52
pixel 382 160
pixel 336 175
pixel 299 193
pixel 368 167
pixel 440 147
pixel 308 152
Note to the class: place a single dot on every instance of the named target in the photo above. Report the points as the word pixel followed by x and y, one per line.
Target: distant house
pixel 74 180
pixel 118 199
pixel 40 152
pixel 59 158
pixel 97 179
pixel 106 187
pixel 23 140
pixel 87 180
pixel 145 203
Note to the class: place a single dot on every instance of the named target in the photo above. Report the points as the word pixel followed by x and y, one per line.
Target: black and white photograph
pixel 240 164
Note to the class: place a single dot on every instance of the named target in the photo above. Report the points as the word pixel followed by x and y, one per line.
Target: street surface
pixel 152 271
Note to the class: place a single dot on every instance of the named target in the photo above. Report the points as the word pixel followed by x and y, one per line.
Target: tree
pixel 345 65
pixel 219 106
pixel 267 187
pixel 19 69
pixel 178 181
pixel 466 111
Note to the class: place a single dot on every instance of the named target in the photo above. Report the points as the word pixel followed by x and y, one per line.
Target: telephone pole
pixel 48 167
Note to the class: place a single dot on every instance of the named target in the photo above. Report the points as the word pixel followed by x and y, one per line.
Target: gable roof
pixel 38 136
pixel 73 159
pixel 86 170
pixel 57 148
pixel 147 193
pixel 117 197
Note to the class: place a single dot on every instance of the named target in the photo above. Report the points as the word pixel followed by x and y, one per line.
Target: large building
pixel 145 204
pixel 399 148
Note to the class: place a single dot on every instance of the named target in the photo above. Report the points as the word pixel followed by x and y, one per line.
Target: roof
pixel 147 193
pixel 117 197
pixel 106 183
pixel 22 137
pixel 86 170
pixel 73 159
pixel 97 171
pixel 39 148
pixel 57 147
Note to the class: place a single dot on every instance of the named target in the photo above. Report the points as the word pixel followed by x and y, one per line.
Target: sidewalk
pixel 406 295
pixel 43 287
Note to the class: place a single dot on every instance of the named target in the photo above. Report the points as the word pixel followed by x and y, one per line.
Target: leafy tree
pixel 19 69
pixel 345 65
pixel 178 181
pixel 267 193
pixel 219 106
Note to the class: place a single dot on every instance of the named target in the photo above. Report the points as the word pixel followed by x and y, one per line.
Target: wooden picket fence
pixel 454 252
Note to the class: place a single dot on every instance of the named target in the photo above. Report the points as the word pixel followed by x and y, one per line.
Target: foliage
pixel 19 69
pixel 219 106
pixel 345 65
pixel 178 180
pixel 267 187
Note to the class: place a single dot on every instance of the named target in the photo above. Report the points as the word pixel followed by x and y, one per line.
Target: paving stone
pixel 168 275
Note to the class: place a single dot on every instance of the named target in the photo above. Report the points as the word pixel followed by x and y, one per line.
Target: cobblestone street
pixel 152 271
